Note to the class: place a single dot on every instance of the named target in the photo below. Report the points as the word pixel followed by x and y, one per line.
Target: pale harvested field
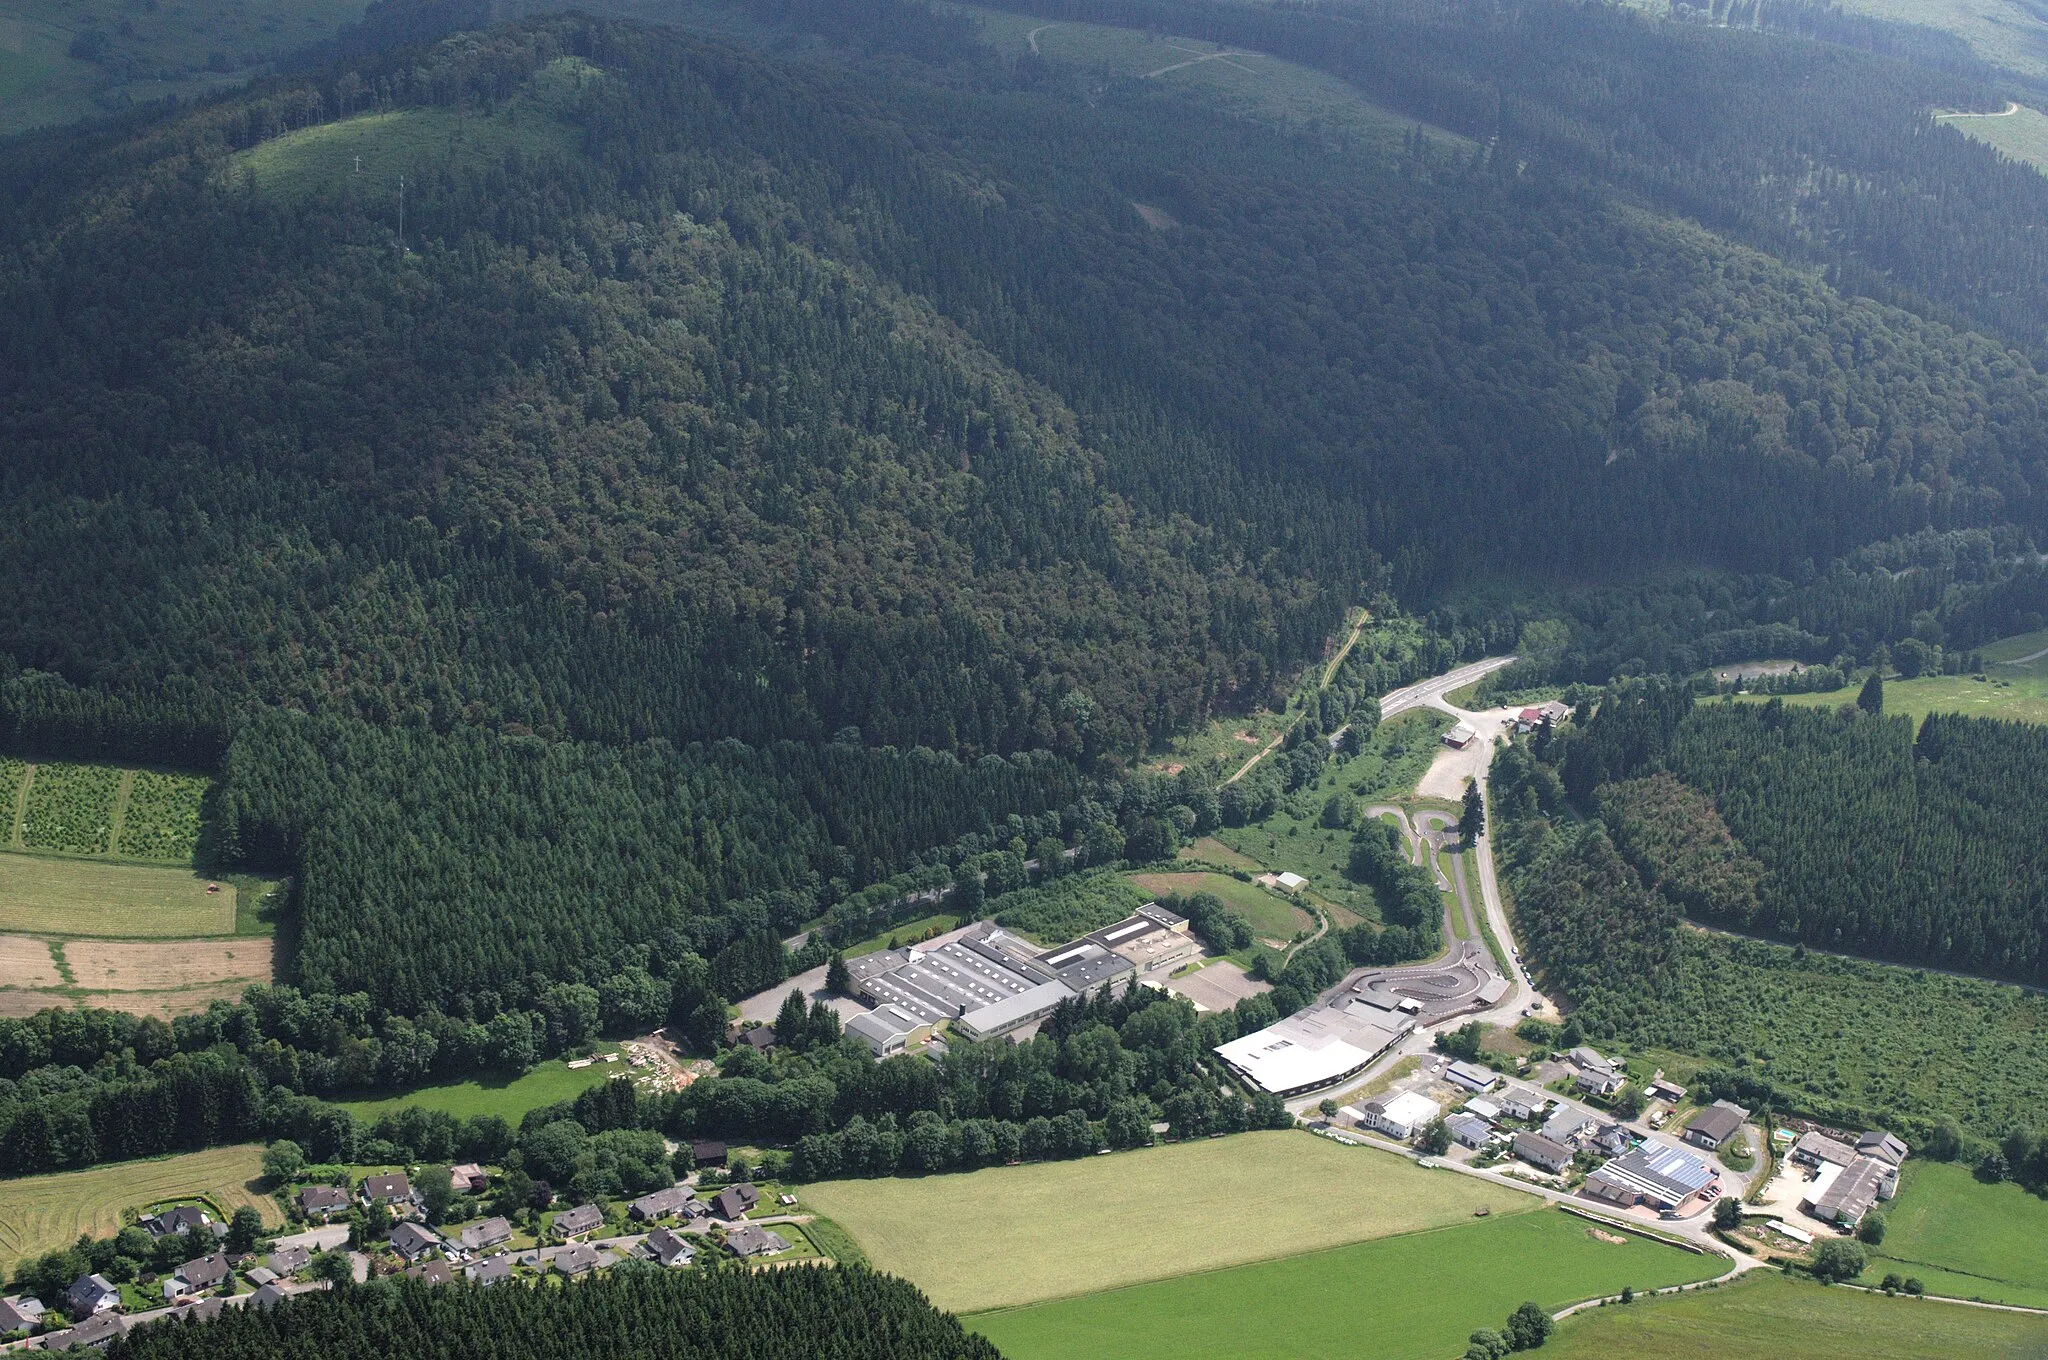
pixel 39 1213
pixel 86 897
pixel 15 1003
pixel 26 962
pixel 1013 1235
pixel 163 1005
pixel 137 966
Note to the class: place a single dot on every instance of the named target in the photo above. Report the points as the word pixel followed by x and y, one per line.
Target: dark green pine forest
pixel 753 488
pixel 764 1315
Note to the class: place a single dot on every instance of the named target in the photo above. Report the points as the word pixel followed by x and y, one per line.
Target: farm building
pixel 707 1152
pixel 1664 1177
pixel 1547 1153
pixel 1472 1076
pixel 1715 1125
pixel 1882 1146
pixel 888 1029
pixel 1844 1195
pixel 1399 1116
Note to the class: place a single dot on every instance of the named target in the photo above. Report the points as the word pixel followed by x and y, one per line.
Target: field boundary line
pixel 18 838
pixel 1950 1298
pixel 116 824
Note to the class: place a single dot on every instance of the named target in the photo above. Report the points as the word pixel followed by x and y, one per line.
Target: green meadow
pixel 510 1099
pixel 1962 1237
pixel 1400 1298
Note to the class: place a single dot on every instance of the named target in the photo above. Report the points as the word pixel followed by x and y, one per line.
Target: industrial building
pixel 1665 1178
pixel 1317 1047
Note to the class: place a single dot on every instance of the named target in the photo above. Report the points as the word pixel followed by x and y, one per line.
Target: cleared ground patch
pixel 1963 1237
pixel 84 897
pixel 1014 1235
pixel 544 1085
pixel 26 962
pixel 1271 917
pixel 1767 1314
pixel 1414 1297
pixel 2013 688
pixel 40 1213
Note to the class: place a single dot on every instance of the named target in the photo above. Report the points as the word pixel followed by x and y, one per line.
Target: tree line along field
pixel 1410 1297
pixel 2012 687
pixel 1013 1235
pixel 42 1213
pixel 1769 1314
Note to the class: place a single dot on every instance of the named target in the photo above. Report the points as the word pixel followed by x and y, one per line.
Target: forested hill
pixel 715 397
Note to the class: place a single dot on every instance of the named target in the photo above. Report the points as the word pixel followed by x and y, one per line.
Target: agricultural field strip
pixel 38 1213
pixel 1009 1236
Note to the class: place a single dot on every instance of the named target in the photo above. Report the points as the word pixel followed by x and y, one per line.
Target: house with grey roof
pixel 1883 1146
pixel 19 1312
pixel 97 1331
pixel 1470 1130
pixel 491 1270
pixel 433 1272
pixel 388 1189
pixel 1715 1125
pixel 485 1235
pixel 576 1260
pixel 1547 1153
pixel 1665 1177
pixel 667 1248
pixel 735 1202
pixel 91 1294
pixel 413 1241
pixel 205 1273
pixel 573 1223
pixel 322 1202
pixel 660 1204
pixel 269 1296
pixel 751 1240
pixel 289 1260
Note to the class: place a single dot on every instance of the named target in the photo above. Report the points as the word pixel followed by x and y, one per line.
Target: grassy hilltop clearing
pixel 41 1213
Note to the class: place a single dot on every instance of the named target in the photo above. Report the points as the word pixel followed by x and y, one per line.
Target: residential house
pixel 1472 1077
pixel 1883 1146
pixel 576 1260
pixel 98 1332
pixel 412 1241
pixel 660 1204
pixel 289 1260
pixel 1399 1116
pixel 179 1220
pixel 1519 1103
pixel 1715 1125
pixel 750 1240
pixel 258 1276
pixel 1567 1122
pixel 269 1296
pixel 761 1038
pixel 393 1189
pixel 200 1310
pixel 707 1152
pixel 22 1311
pixel 1599 1083
pixel 322 1202
pixel 205 1273
pixel 491 1270
pixel 468 1179
pixel 91 1294
pixel 433 1272
pixel 735 1202
pixel 573 1223
pixel 667 1248
pixel 1816 1149
pixel 1486 1109
pixel 1591 1060
pixel 1610 1140
pixel 1547 1153
pixel 485 1235
pixel 1470 1130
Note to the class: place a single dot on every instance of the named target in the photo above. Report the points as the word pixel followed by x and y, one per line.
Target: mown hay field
pixel 1413 1297
pixel 41 1213
pixel 1013 1235
pixel 74 897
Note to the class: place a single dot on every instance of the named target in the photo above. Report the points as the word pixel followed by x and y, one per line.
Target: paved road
pixel 1432 691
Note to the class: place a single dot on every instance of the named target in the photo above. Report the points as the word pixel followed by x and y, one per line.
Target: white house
pixel 1399 1116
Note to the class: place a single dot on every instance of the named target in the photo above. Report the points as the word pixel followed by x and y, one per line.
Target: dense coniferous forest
pixel 833 1312
pixel 1853 1043
pixel 1840 829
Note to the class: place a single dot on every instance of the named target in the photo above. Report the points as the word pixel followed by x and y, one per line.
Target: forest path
pixel 1031 38
pixel 2011 107
pixel 2024 660
pixel 1195 58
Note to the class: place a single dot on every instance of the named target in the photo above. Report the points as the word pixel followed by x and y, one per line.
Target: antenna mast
pixel 401 214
